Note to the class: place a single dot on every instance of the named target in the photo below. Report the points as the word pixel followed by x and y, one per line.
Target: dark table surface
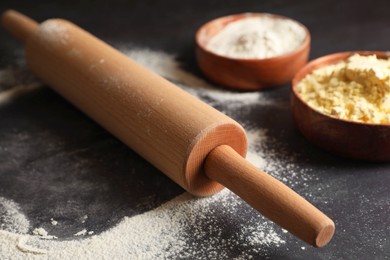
pixel 40 132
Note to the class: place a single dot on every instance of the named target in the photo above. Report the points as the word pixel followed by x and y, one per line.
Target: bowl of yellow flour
pixel 341 102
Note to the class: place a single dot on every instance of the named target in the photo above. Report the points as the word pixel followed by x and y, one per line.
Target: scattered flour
pixel 42 233
pixel 10 94
pixel 22 246
pixel 53 222
pixel 15 82
pixel 185 227
pixel 84 218
pixel 11 218
pixel 81 233
pixel 167 66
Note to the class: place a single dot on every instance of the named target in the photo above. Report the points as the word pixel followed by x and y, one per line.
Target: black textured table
pixel 54 161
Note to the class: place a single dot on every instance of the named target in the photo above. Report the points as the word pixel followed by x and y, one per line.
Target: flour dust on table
pixel 183 227
pixel 11 218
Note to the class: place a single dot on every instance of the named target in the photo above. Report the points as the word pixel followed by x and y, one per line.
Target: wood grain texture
pixel 269 196
pixel 167 126
pixel 356 140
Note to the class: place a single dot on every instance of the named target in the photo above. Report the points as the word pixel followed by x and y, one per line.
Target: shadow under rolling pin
pixel 195 145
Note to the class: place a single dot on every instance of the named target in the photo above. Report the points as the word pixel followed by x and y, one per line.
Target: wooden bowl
pixel 356 140
pixel 247 74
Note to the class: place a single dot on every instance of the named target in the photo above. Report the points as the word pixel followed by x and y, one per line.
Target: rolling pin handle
pixel 18 24
pixel 270 197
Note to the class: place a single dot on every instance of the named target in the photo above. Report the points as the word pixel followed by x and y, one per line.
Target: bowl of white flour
pixel 252 51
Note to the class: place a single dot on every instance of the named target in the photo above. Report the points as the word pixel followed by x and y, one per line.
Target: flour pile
pixel 185 227
pixel 257 37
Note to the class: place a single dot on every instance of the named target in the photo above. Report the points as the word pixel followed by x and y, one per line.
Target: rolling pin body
pixel 195 145
pixel 164 124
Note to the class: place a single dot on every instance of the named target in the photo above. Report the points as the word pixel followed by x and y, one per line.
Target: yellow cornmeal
pixel 357 89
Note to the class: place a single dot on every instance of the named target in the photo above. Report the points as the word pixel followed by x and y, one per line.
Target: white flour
pixel 166 65
pixel 161 233
pixel 81 233
pixel 53 222
pixel 257 37
pixel 54 30
pixel 11 218
pixel 42 233
pixel 185 227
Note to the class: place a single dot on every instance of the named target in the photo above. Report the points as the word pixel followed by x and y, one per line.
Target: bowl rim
pixel 329 59
pixel 238 16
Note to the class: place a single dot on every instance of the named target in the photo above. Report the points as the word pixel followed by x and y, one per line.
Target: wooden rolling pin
pixel 198 147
